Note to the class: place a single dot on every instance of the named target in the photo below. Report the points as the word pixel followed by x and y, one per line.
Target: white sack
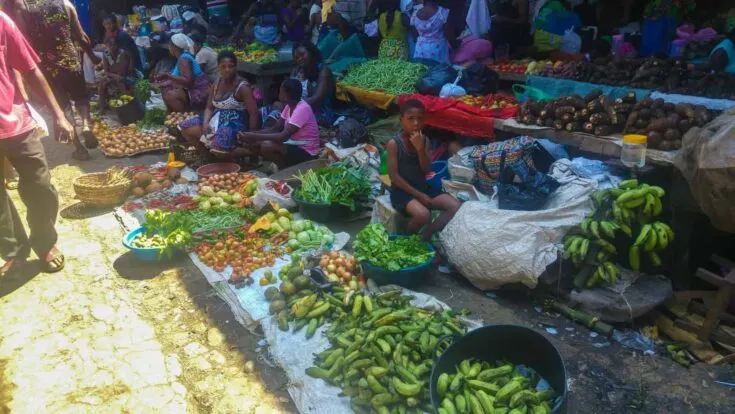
pixel 493 247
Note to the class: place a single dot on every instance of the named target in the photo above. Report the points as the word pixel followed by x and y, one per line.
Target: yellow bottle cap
pixel 635 139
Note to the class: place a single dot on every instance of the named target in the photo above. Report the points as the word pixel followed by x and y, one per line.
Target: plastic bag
pixel 350 133
pixel 477 79
pixel 571 42
pixel 435 78
pixel 266 194
pixel 453 89
pixel 530 194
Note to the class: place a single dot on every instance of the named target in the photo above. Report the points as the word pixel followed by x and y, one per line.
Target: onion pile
pixel 341 268
pixel 128 140
pixel 173 119
pixel 230 182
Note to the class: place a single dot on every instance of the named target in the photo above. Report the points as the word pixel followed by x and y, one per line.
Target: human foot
pixel 54 261
pixel 11 265
pixel 11 184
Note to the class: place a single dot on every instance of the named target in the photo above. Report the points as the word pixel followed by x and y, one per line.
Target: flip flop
pixel 11 265
pixel 11 185
pixel 56 264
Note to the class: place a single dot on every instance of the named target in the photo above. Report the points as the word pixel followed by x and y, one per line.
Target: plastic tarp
pixel 493 247
pixel 457 116
pixel 709 103
pixel 365 97
pixel 559 87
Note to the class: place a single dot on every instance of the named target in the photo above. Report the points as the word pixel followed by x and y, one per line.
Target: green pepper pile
pixel 480 388
pixel 396 77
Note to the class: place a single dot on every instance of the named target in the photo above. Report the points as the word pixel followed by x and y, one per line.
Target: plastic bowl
pixel 144 255
pixel 441 172
pixel 323 213
pixel 217 168
pixel 408 277
pixel 515 344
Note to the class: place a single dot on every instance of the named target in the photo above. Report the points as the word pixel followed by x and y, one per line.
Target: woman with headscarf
pixel 186 86
pixel 231 108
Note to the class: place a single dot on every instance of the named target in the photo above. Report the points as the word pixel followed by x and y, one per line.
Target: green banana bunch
pixel 577 247
pixel 605 274
pixel 654 237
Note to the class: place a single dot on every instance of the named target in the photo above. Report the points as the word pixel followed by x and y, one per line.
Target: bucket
pixel 323 213
pixel 677 48
pixel 516 344
pixel 440 172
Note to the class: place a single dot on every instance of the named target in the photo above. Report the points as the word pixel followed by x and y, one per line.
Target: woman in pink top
pixel 294 138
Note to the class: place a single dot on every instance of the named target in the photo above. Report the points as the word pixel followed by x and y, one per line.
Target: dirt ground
pixel 109 334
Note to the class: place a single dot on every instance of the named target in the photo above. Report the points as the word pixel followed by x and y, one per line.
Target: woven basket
pixel 91 189
pixel 190 156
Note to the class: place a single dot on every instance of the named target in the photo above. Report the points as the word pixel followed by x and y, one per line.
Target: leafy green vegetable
pixel 196 221
pixel 372 244
pixel 338 183
pixel 153 117
pixel 142 90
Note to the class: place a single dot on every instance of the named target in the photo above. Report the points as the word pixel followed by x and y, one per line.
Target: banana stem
pixel 580 317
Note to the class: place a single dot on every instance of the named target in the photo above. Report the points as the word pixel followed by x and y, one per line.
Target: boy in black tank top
pixel 408 165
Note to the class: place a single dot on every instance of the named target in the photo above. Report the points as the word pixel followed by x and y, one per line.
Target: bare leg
pixel 176 100
pixel 449 207
pixel 193 136
pixel 420 215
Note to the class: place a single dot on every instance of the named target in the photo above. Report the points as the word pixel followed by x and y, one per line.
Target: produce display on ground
pixel 340 267
pixel 156 179
pixel 226 190
pixel 624 218
pixel 174 118
pixel 665 75
pixel 664 123
pixel 128 140
pixel 594 114
pixel 163 242
pixel 481 388
pixel 338 183
pixel 197 221
pixel 153 118
pixel 253 53
pixel 374 245
pixel 121 101
pixel 396 77
pixel 142 90
pixel 511 66
pixel 491 101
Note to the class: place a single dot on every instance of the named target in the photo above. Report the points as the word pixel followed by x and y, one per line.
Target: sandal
pixel 57 262
pixel 11 184
pixel 12 265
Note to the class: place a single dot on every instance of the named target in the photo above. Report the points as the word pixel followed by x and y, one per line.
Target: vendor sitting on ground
pixel 722 58
pixel 294 138
pixel 408 165
pixel 185 88
pixel 119 72
pixel 317 81
pixel 231 108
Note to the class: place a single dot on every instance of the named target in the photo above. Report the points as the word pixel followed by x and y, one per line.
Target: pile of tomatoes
pixel 244 252
pixel 510 67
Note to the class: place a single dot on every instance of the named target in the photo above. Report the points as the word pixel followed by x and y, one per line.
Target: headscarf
pixel 182 41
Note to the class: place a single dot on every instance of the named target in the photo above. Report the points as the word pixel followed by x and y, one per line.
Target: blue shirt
pixel 194 65
pixel 729 48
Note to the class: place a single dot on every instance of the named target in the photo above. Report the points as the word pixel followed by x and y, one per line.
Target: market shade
pixel 365 97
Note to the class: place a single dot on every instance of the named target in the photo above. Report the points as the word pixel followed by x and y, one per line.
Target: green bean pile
pixel 396 77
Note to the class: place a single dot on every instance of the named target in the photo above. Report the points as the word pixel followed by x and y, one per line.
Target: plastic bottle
pixel 384 162
pixel 633 154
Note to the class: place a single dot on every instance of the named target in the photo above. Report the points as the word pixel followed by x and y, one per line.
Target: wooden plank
pixel 721 261
pixel 712 278
pixel 701 309
pixel 719 305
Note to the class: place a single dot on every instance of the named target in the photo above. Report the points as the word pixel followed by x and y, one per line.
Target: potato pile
pixel 665 123
pixel 156 180
pixel 128 140
pixel 594 114
pixel 230 182
pixel 174 118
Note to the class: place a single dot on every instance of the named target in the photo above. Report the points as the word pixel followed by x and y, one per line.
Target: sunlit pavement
pixel 108 334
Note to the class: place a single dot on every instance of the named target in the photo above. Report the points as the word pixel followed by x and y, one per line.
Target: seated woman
pixel 408 165
pixel 722 58
pixel 294 138
pixel 185 88
pixel 317 82
pixel 231 108
pixel 119 72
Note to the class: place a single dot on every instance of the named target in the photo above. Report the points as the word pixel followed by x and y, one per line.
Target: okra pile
pixel 479 388
pixel 382 351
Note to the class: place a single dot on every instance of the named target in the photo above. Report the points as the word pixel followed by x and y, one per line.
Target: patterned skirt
pixel 225 124
pixel 393 49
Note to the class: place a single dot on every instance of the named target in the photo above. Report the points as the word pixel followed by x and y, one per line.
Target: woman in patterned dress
pixel 186 87
pixel 433 32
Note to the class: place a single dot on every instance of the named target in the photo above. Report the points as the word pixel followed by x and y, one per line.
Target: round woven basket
pixel 92 189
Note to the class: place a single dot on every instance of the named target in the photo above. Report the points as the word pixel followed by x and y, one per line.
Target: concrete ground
pixel 109 334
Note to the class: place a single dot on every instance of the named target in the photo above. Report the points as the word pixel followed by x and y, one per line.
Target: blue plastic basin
pixel 441 172
pixel 144 255
pixel 408 277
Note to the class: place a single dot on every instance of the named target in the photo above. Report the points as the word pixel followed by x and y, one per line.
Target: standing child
pixel 408 165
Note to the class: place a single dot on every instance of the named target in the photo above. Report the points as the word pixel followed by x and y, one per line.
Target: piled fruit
pixel 224 190
pixel 519 67
pixel 173 119
pixel 630 208
pixel 156 179
pixel 244 252
pixel 491 101
pixel 538 66
pixel 595 114
pixel 342 268
pixel 382 349
pixel 128 140
pixel 665 123
pixel 480 388
pixel 122 101
pixel 253 53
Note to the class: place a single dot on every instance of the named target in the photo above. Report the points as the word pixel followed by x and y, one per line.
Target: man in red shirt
pixel 20 143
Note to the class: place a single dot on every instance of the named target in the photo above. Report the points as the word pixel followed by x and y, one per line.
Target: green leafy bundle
pixel 338 183
pixel 154 117
pixel 196 221
pixel 372 244
pixel 142 90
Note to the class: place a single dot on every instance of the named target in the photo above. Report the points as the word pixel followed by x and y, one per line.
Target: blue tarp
pixel 561 87
pixel 709 103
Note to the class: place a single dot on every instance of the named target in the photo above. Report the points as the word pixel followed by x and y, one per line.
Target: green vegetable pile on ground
pixel 477 387
pixel 197 221
pixel 373 245
pixel 163 242
pixel 142 90
pixel 382 349
pixel 154 117
pixel 338 183
pixel 396 77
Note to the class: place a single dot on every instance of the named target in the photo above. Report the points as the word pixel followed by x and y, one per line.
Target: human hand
pixel 64 130
pixel 417 140
pixel 425 200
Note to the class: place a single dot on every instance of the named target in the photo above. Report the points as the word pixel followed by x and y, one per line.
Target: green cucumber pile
pixel 396 77
pixel 479 388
